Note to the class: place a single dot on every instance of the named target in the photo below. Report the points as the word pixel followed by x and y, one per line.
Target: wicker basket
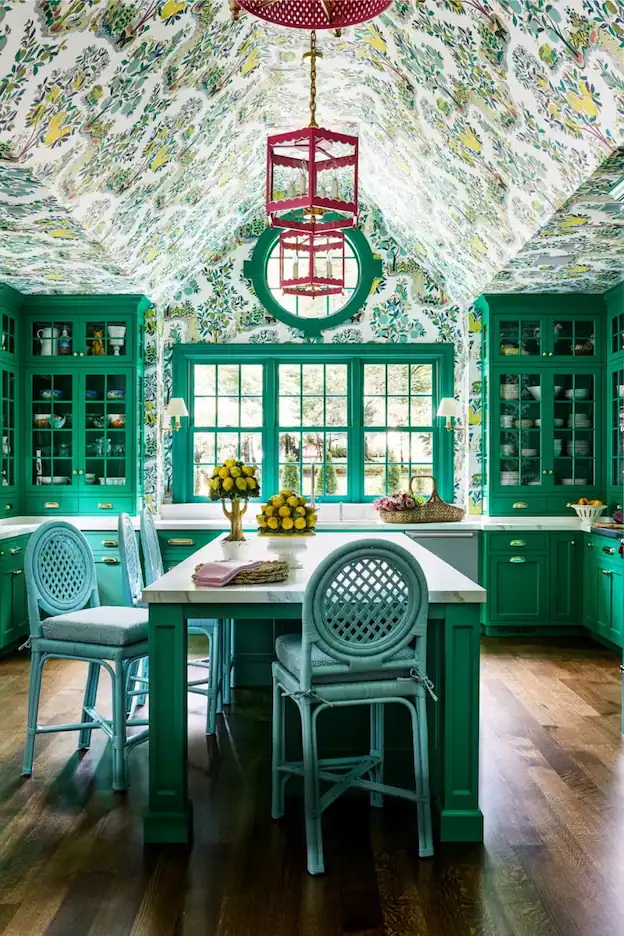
pixel 435 510
pixel 588 511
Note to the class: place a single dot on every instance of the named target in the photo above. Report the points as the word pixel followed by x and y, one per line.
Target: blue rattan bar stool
pixel 363 642
pixel 67 622
pixel 211 686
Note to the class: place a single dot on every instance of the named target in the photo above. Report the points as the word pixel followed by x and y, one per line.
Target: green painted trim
pixel 255 269
pixel 184 356
pixel 461 825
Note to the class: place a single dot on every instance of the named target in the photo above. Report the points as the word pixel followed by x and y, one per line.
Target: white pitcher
pixel 48 338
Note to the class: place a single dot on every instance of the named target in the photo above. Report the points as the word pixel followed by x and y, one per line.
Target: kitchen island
pixel 453 666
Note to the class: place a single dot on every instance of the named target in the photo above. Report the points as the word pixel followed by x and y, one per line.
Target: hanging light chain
pixel 313 55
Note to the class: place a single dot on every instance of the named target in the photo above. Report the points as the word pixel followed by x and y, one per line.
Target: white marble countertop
pixel 446 584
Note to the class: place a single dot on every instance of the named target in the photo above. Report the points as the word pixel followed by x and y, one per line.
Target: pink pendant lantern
pixel 312 14
pixel 312 264
pixel 313 171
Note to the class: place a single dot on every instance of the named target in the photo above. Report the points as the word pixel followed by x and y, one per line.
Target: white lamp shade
pixel 176 407
pixel 448 407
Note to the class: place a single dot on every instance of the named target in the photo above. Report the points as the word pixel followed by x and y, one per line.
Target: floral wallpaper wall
pixel 144 123
pixel 581 248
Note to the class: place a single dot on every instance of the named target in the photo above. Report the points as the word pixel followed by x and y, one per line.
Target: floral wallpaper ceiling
pixel 135 131
pixel 581 248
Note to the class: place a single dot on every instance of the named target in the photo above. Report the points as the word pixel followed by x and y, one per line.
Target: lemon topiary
pixel 233 480
pixel 287 514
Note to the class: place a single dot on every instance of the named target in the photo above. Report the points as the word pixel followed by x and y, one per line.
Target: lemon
pixel 229 462
pixel 228 484
pixel 293 501
pixel 268 510
pixel 301 511
pixel 251 483
pixel 235 472
pixel 284 511
pixel 248 470
pixel 287 523
pixel 262 521
pixel 277 501
pixel 312 520
pixel 241 484
pixel 302 501
pixel 273 523
pixel 215 484
pixel 224 472
pixel 286 492
pixel 300 523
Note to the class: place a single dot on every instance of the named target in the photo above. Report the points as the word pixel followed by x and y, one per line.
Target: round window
pixel 312 314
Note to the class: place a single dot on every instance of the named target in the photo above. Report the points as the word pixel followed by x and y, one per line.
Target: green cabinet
pixel 83 405
pixel 534 582
pixel 546 409
pixel 614 301
pixel 13 608
pixel 603 612
pixel 10 436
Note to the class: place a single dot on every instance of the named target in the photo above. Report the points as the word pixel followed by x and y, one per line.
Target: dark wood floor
pixel 72 862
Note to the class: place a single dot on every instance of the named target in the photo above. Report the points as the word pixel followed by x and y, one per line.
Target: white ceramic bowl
pixel 116 331
pixel 536 392
pixel 525 423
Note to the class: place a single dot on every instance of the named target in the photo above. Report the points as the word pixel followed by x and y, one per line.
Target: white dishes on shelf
pixel 507 422
pixel 529 452
pixel 509 478
pixel 114 482
pixel 582 482
pixel 509 391
pixel 621 390
pixel 507 451
pixel 579 448
pixel 579 421
pixel 557 391
pixel 558 422
pixel 557 448
pixel 57 479
pixel 524 423
pixel 536 392
pixel 578 393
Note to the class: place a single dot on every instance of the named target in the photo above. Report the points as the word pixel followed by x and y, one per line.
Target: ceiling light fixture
pixel 311 14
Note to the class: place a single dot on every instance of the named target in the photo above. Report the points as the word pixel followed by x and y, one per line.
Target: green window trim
pixel 185 356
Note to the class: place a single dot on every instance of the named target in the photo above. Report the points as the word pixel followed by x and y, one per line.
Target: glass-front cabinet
pixel 545 433
pixel 10 438
pixel 530 336
pixel 97 329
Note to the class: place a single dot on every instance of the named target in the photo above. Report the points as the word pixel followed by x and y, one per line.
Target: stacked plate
pixel 509 478
pixel 507 422
pixel 509 391
pixel 579 393
pixel 579 421
pixel 579 481
pixel 529 453
pixel 557 447
pixel 580 448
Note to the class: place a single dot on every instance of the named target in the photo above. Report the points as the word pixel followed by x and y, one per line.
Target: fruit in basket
pixel 286 513
pixel 583 501
pixel 596 503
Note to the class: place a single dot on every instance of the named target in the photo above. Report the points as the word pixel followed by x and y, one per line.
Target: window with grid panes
pixel 355 426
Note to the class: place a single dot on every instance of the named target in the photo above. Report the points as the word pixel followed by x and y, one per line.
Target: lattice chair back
pixel 152 557
pixel 60 573
pixel 131 574
pixel 365 602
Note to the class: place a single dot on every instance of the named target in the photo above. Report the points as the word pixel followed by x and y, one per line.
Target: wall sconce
pixel 174 411
pixel 448 408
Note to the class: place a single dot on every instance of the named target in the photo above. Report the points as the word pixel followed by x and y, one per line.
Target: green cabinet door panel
pixel 518 588
pixel 108 572
pixel 13 609
pixel 565 575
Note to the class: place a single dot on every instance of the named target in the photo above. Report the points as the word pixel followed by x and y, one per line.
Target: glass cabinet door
pixel 520 434
pixel 8 388
pixel 519 337
pixel 106 337
pixel 8 332
pixel 574 338
pixel 52 338
pixel 52 441
pixel 574 429
pixel 616 424
pixel 106 447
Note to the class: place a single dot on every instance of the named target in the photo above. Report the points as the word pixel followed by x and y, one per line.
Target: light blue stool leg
pixel 90 696
pixel 314 832
pixel 226 626
pixel 214 680
pixel 34 692
pixel 143 673
pixel 278 753
pixel 119 727
pixel 421 769
pixel 232 669
pixel 377 749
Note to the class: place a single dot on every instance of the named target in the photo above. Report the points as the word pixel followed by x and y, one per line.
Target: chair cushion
pixel 107 626
pixel 288 651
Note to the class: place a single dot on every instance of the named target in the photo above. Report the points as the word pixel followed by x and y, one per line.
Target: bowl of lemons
pixel 287 522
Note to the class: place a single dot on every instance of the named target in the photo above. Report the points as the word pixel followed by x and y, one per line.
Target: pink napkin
pixel 216 574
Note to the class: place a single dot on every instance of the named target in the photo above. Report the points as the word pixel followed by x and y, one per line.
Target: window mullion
pixel 355 431
pixel 270 436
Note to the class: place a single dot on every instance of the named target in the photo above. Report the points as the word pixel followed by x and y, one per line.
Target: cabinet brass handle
pixel 606 572
pixel 180 542
pixel 517 543
pixel 17 571
pixel 15 550
pixel 590 545
pixel 517 559
pixel 572 542
pixel 519 505
pixel 608 550
pixel 110 560
pixel 51 505
pixel 105 506
pixel 110 544
pixel 9 507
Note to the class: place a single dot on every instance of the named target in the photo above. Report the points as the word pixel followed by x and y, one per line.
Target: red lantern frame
pixel 314 146
pixel 312 14
pixel 311 244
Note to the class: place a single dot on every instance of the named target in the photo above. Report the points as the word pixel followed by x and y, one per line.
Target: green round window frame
pixel 255 269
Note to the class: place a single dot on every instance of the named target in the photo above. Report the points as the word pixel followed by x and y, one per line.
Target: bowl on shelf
pixel 558 422
pixel 51 394
pixel 40 420
pixel 578 393
pixel 116 331
pixel 57 479
pixel 509 350
pixel 57 422
pixel 509 391
pixel 90 479
pixel 507 422
pixel 114 482
pixel 528 453
pixel 525 423
pixel 582 482
pixel 115 394
pixel 507 451
pixel 621 390
pixel 536 392
pixel 91 394
pixel 557 447
pixel 116 420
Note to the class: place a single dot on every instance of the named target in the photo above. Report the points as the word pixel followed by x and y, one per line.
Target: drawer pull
pixel 9 507
pixel 17 571
pixel 517 559
pixel 590 545
pixel 15 550
pixel 51 505
pixel 608 550
pixel 517 543
pixel 105 506
pixel 519 505
pixel 110 560
pixel 110 544
pixel 180 542
pixel 606 572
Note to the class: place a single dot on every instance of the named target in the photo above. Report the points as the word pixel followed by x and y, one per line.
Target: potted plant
pixel 235 482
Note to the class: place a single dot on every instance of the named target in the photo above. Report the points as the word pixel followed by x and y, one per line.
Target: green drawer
pixel 604 551
pixel 12 551
pixel 103 542
pixel 176 545
pixel 9 506
pixel 512 505
pixel 103 504
pixel 50 504
pixel 519 541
